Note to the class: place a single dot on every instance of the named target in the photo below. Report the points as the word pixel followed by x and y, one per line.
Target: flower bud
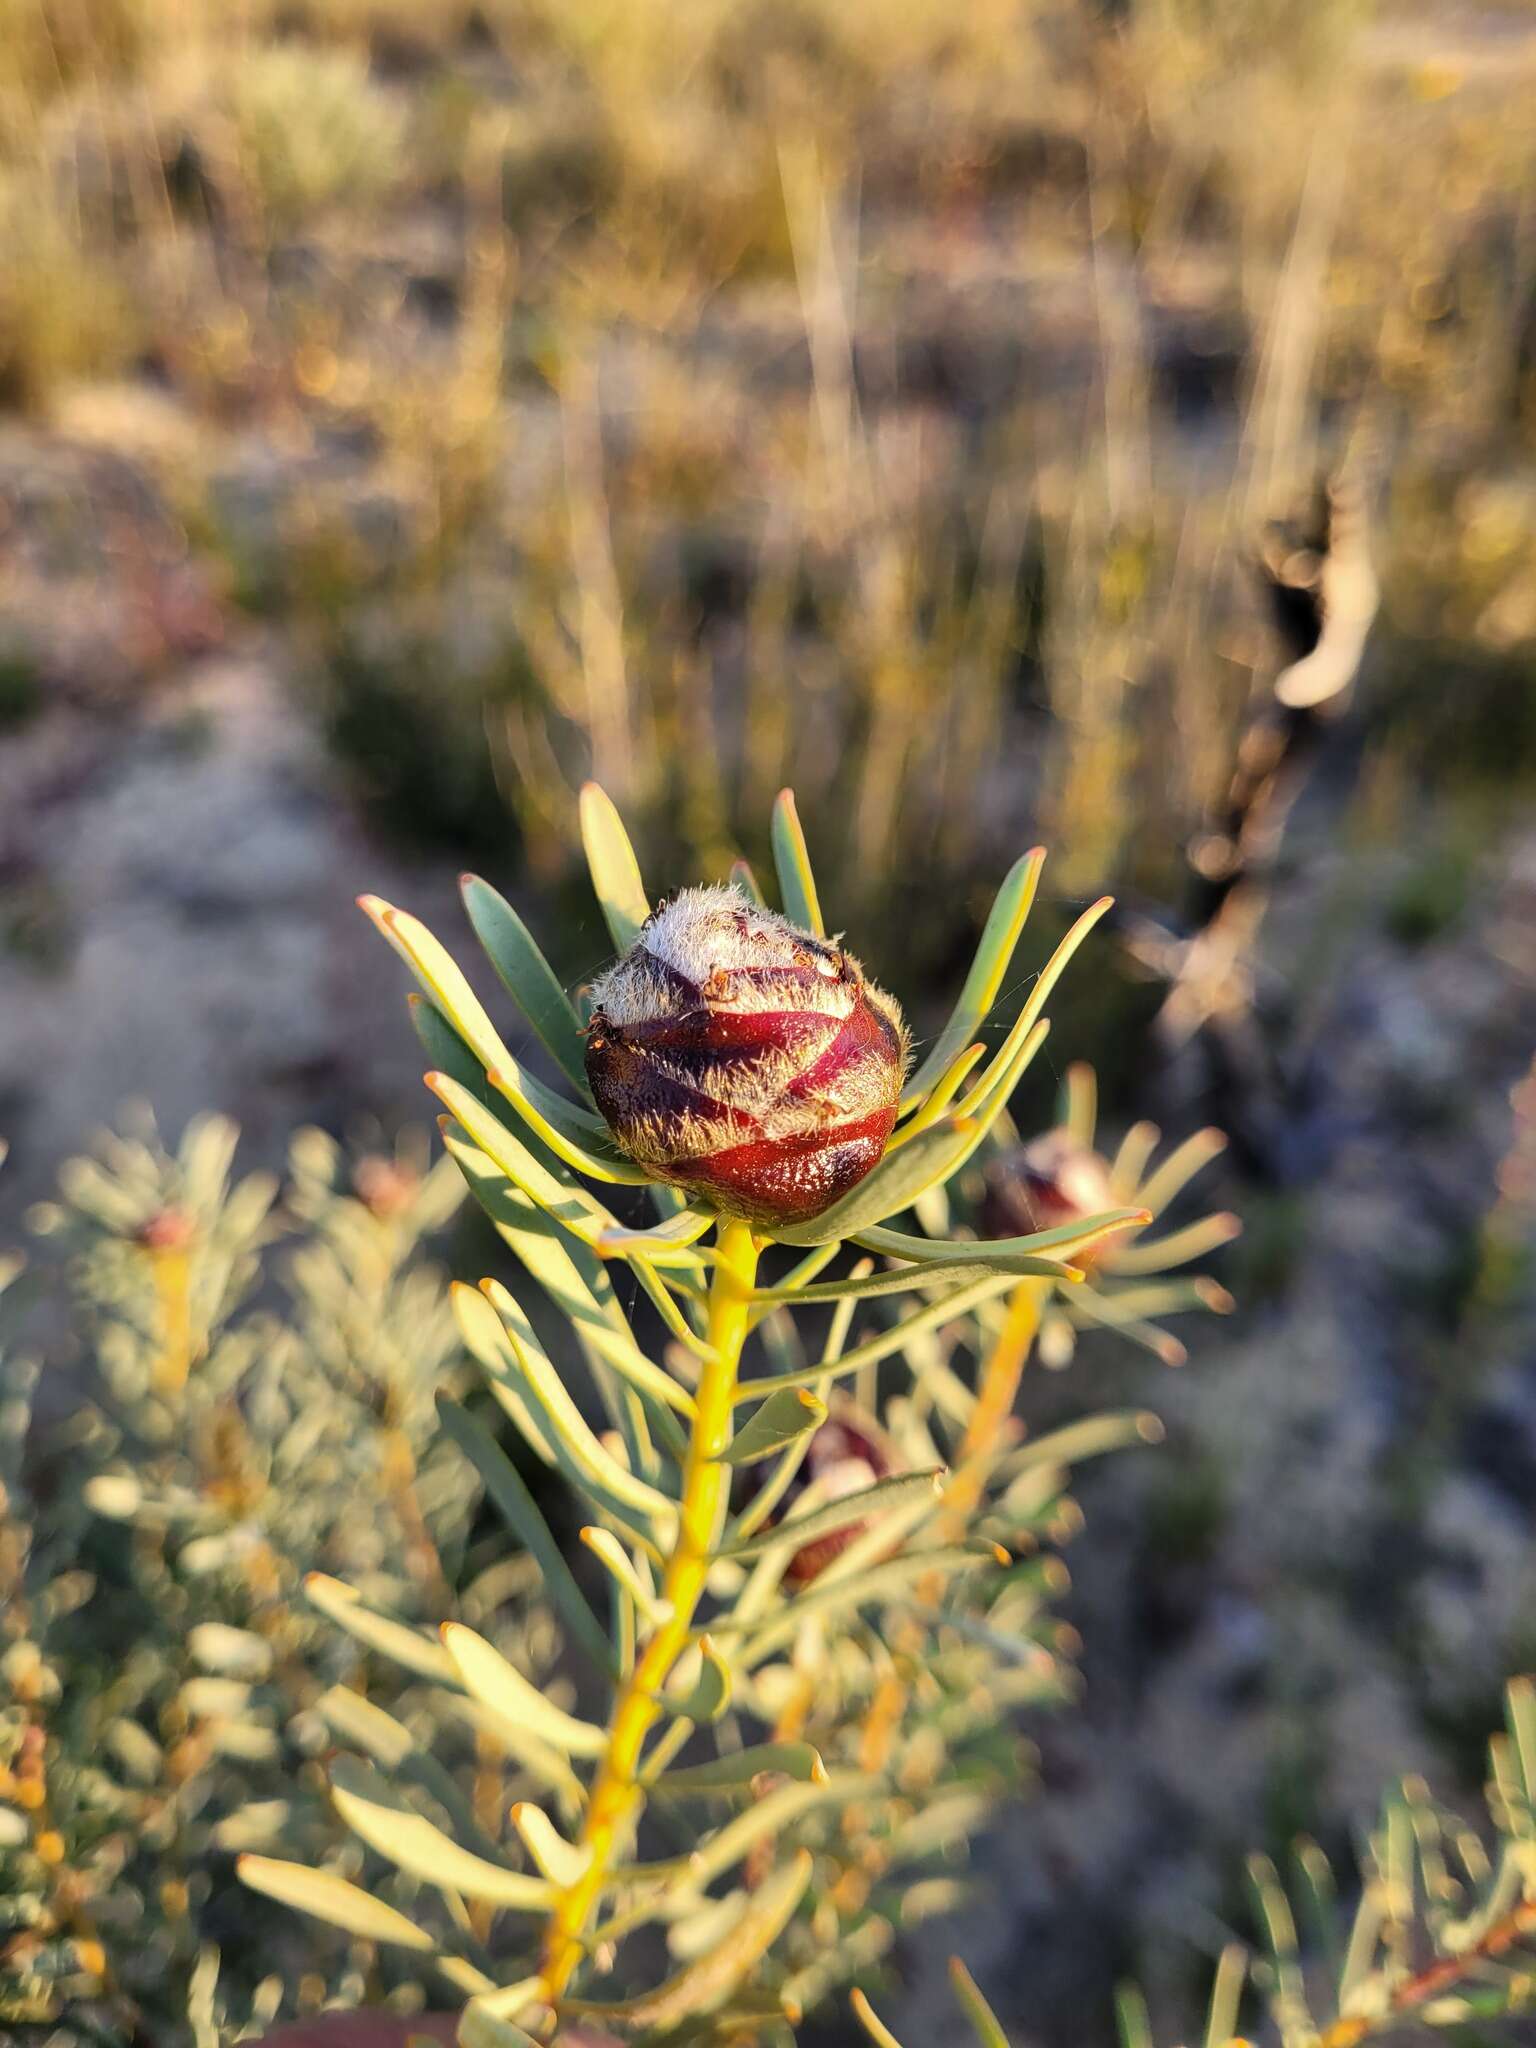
pixel 744 1059
pixel 1054 1179
pixel 384 1187
pixel 848 1453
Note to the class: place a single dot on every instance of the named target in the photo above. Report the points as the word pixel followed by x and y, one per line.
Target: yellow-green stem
pixel 172 1270
pixel 613 1808
pixel 996 1391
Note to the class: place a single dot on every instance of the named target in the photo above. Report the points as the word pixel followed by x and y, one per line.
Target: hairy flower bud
pixel 1052 1180
pixel 744 1059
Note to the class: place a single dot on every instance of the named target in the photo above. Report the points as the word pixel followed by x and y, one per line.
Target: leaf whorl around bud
pixel 745 1059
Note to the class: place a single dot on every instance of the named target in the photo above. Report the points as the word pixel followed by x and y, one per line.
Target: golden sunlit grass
pixel 887 400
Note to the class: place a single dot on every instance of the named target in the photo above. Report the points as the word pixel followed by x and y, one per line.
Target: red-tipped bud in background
pixel 848 1453
pixel 384 1187
pixel 1054 1179
pixel 168 1230
pixel 745 1059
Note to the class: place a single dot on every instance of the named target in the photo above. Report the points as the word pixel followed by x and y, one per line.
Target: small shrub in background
pixel 257 1371
pixel 1440 1937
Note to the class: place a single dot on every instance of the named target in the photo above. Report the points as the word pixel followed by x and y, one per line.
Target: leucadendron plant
pixel 737 1075
pixel 1439 1936
pixel 251 1365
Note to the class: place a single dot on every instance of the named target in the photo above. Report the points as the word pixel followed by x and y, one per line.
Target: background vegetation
pixel 411 410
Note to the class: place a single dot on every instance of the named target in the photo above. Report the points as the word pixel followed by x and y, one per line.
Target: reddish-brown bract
pixel 746 1060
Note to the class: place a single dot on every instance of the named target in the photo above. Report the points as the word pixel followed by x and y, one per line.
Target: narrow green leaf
pixel 1194 1241
pixel 1043 1251
pixel 488 1677
pixel 1179 1168
pixel 509 2002
pixel 984 2021
pixel 932 1315
pixel 516 1505
pixel 1132 2017
pixel 481 2029
pixel 889 1280
pixel 617 1347
pixel 1000 935
pixel 763 1819
pixel 792 864
pixel 615 1560
pixel 735 1773
pixel 842 1596
pixel 441 978
pixel 578 1283
pixel 676 1234
pixel 615 871
pixel 560 1861
pixel 359 1721
pixel 339 1603
pixel 329 1898
pixel 447 1053
pixel 791 1413
pixel 710 1694
pixel 941 1095
pixel 574 1135
pixel 981 1106
pixel 871 2022
pixel 407 1839
pixel 539 1759
pixel 586 1461
pixel 558 1192
pixel 1520 1703
pixel 1091 1438
pixel 1226 1995
pixel 742 878
pixel 706 1984
pixel 1027 1033
pixel 1080 1102
pixel 487 1343
pixel 527 976
pixel 865 1505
